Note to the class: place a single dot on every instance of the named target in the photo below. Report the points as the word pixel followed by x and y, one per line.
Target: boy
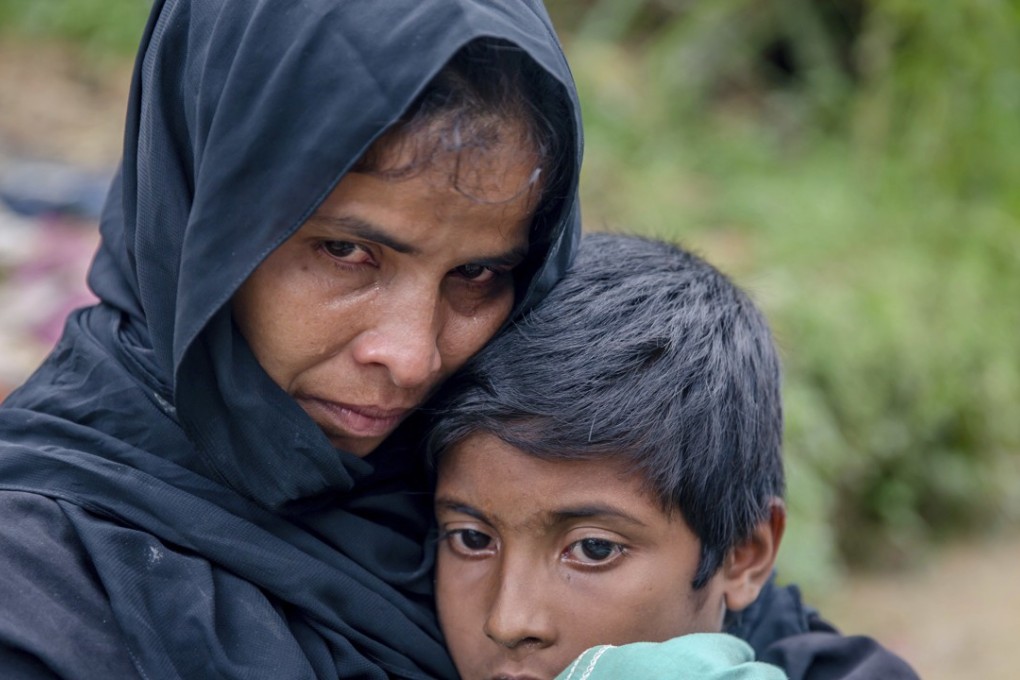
pixel 609 472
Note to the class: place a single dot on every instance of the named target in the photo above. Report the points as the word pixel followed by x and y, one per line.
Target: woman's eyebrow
pixel 353 226
pixel 358 228
pixel 511 258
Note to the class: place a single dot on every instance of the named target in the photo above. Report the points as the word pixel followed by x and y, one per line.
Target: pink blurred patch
pixel 43 264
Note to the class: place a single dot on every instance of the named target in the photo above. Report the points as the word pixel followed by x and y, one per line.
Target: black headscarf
pixel 229 537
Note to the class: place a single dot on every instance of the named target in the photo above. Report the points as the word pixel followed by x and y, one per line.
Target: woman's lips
pixel 355 420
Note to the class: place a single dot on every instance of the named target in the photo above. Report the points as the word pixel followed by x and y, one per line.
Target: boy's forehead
pixel 511 486
pixel 481 455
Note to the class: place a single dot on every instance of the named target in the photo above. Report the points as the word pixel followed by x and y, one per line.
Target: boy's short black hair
pixel 646 353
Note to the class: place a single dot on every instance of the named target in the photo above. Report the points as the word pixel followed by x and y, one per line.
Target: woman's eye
pixel 471 541
pixel 476 273
pixel 348 252
pixel 594 551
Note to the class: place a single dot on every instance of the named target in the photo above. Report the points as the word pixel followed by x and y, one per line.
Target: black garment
pixel 168 511
pixel 785 632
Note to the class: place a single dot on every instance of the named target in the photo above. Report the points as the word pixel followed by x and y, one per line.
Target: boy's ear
pixel 748 565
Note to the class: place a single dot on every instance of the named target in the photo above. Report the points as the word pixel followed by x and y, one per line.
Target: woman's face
pixel 388 288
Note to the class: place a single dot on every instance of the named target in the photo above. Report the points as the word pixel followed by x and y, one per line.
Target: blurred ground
pixel 56 105
pixel 956 617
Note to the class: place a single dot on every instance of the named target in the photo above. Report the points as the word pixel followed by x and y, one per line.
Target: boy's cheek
pixel 460 615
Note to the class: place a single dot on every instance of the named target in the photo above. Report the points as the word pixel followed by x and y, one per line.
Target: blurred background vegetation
pixel 854 164
pixel 103 28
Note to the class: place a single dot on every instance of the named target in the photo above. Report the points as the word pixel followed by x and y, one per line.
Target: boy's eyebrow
pixel 554 518
pixel 569 514
pixel 464 508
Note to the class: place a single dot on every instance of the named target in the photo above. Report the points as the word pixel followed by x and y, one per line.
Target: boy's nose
pixel 404 340
pixel 518 618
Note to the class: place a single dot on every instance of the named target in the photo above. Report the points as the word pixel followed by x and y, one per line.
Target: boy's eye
pixel 593 551
pixel 348 252
pixel 476 273
pixel 471 541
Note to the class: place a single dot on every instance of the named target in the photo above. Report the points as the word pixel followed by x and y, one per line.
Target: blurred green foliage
pixel 102 27
pixel 853 163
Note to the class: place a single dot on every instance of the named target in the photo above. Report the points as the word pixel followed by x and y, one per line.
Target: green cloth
pixel 701 656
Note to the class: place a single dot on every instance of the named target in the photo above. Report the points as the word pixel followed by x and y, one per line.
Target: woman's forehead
pixel 493 166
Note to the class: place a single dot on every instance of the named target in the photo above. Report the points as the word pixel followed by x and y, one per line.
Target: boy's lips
pixel 354 420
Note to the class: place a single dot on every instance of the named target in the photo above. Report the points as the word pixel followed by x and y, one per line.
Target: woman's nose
pixel 404 340
pixel 519 617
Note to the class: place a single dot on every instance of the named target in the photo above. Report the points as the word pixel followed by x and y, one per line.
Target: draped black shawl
pixel 167 511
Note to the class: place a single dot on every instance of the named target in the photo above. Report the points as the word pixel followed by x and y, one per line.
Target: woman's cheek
pixel 468 330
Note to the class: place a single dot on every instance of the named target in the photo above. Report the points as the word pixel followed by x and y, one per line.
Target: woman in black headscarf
pixel 323 209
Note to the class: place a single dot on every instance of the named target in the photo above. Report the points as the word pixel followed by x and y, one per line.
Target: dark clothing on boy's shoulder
pixel 785 632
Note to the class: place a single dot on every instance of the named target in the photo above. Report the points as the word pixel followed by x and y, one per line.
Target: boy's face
pixel 540 560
